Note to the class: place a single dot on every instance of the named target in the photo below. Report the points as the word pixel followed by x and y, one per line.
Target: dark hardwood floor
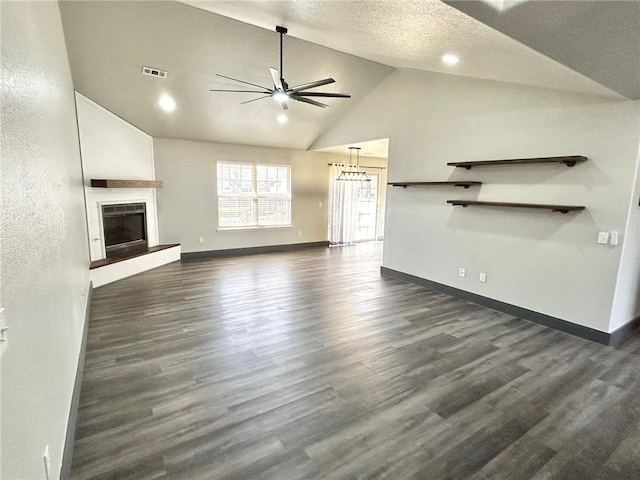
pixel 310 365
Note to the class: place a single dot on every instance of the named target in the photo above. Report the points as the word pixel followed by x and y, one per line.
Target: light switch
pixel 603 238
pixel 613 240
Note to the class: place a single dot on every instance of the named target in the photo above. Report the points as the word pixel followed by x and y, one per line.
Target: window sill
pixel 240 229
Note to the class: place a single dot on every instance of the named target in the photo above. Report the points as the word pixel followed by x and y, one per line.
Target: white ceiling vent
pixel 154 72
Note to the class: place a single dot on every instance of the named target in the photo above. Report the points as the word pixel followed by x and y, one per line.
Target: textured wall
pixel 549 263
pixel 44 262
pixel 187 205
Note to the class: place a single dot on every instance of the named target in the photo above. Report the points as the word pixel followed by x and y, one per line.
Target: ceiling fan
pixel 281 90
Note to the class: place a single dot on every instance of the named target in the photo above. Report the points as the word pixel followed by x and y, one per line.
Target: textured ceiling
pixel 110 42
pixel 600 39
pixel 409 33
pixel 372 148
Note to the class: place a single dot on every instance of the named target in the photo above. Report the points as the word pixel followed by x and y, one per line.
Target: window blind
pixel 253 195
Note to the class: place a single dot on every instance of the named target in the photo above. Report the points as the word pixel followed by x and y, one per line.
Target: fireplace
pixel 125 228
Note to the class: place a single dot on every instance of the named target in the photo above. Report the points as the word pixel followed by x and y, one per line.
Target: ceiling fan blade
pixel 306 86
pixel 254 99
pixel 323 94
pixel 276 79
pixel 309 101
pixel 266 92
pixel 242 81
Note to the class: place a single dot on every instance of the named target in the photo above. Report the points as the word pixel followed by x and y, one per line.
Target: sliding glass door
pixel 367 209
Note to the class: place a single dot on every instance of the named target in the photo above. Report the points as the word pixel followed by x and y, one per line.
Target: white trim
pixel 154 193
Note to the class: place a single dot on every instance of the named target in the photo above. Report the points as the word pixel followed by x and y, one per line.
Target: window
pixel 253 195
pixel 367 209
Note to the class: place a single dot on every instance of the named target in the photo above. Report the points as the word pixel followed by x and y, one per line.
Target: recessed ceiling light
pixel 167 103
pixel 450 59
pixel 282 119
pixel 281 97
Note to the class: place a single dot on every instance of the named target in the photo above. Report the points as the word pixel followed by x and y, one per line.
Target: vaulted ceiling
pixel 357 42
pixel 600 39
pixel 110 42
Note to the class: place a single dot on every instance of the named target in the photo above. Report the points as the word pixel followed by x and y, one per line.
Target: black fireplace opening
pixel 125 228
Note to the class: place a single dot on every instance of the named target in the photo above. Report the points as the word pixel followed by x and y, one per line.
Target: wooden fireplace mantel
pixel 111 183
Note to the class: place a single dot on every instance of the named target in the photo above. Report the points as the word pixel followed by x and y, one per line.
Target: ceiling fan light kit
pixel 281 91
pixel 280 97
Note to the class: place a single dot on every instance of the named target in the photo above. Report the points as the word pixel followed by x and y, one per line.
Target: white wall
pixel 45 258
pixel 549 263
pixel 113 149
pixel 626 304
pixel 187 205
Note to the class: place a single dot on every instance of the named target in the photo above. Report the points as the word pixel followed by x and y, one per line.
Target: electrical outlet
pixel 613 239
pixel 319 204
pixel 3 327
pixel 201 239
pixel 47 463
pixel 603 238
pixel 462 272
pixel 299 233
pixel 482 278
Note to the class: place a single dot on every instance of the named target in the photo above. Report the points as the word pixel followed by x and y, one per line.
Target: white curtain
pixel 343 197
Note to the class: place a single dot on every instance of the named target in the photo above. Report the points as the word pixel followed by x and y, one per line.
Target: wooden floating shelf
pixel 104 183
pixel 569 161
pixel 553 208
pixel 455 184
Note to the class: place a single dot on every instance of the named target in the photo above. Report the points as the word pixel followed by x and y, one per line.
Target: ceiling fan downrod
pixel 282 31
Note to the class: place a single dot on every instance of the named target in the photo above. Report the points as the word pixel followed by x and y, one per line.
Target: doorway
pixel 357 199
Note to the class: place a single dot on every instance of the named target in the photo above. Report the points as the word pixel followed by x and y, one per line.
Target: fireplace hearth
pixel 124 228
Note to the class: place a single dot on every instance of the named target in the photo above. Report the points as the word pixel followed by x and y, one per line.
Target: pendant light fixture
pixel 353 173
